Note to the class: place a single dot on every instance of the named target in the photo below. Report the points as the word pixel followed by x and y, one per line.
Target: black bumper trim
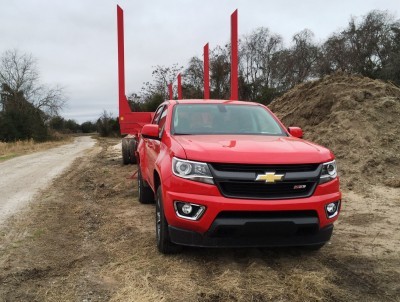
pixel 191 238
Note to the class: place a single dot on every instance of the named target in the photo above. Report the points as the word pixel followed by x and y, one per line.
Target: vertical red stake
pixel 206 72
pixel 234 56
pixel 170 92
pixel 179 87
pixel 123 103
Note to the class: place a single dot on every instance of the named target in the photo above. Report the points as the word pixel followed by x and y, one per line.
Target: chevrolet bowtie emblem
pixel 269 177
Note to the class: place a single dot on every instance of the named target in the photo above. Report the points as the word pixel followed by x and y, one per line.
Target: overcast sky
pixel 75 41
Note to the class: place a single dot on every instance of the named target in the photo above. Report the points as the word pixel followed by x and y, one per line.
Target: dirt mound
pixel 357 118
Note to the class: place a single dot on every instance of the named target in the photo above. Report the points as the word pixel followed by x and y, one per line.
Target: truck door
pixel 153 145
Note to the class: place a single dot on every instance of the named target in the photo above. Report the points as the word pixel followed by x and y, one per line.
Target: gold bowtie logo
pixel 270 177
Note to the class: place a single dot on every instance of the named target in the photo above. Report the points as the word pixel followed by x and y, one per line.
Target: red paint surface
pixel 179 87
pixel 156 158
pixel 206 72
pixel 170 92
pixel 234 56
pixel 123 104
pixel 130 122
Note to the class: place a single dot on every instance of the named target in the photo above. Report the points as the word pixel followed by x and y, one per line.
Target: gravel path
pixel 22 177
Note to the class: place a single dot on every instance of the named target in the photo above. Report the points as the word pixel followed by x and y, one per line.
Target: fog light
pixel 332 209
pixel 188 210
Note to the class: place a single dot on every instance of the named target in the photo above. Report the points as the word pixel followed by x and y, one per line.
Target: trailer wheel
pixel 131 151
pixel 164 243
pixel 145 193
pixel 125 152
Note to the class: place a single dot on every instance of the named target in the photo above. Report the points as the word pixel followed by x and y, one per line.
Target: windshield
pixel 223 119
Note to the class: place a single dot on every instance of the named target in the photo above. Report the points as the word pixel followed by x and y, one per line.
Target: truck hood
pixel 252 149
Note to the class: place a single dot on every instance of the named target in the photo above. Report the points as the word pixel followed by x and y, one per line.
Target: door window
pixel 162 119
pixel 157 115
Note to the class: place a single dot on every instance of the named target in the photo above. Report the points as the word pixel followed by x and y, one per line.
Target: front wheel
pixel 164 243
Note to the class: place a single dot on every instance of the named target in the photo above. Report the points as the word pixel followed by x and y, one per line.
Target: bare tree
pixel 256 53
pixel 193 79
pixel 391 67
pixel 297 63
pixel 164 75
pixel 19 73
pixel 366 46
pixel 305 54
pixel 107 125
pixel 154 93
pixel 49 99
pixel 257 50
pixel 220 69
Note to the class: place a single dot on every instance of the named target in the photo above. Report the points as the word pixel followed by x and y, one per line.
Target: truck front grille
pixel 268 191
pixel 238 181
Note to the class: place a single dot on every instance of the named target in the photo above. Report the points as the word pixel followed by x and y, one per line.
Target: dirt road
pixel 86 238
pixel 22 177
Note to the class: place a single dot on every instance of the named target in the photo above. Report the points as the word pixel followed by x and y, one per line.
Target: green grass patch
pixel 37 233
pixel 8 156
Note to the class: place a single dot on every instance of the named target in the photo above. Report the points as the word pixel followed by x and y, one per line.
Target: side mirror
pixel 296 132
pixel 150 131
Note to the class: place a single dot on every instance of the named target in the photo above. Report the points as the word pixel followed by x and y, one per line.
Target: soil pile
pixel 357 118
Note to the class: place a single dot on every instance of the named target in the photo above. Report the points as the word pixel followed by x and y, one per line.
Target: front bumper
pixel 191 238
pixel 278 222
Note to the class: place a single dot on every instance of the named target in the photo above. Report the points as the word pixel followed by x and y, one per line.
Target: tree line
pixel 26 105
pixel 105 125
pixel 31 110
pixel 369 46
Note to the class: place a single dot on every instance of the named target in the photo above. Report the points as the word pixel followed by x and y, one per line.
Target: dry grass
pixel 88 239
pixel 209 276
pixel 10 150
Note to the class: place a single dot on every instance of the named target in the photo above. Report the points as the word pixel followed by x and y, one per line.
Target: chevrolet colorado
pixel 229 174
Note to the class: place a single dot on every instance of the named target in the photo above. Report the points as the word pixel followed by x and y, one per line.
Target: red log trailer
pixel 131 123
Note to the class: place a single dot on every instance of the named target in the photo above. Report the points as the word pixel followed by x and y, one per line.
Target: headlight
pixel 192 170
pixel 329 172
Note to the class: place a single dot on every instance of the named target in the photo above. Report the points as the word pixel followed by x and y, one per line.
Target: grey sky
pixel 75 41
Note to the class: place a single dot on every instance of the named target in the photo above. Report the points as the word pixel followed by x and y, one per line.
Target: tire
pixel 131 151
pixel 164 244
pixel 125 152
pixel 145 194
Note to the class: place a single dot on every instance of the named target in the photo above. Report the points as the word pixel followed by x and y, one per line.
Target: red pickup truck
pixel 229 174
